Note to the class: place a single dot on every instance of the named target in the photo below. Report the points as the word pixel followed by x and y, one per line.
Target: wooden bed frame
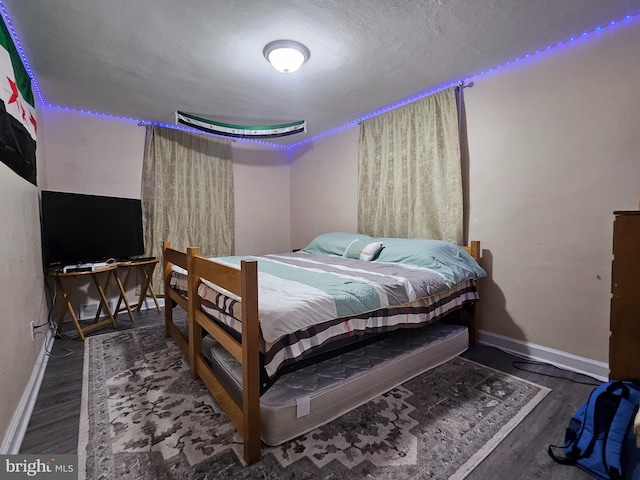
pixel 242 282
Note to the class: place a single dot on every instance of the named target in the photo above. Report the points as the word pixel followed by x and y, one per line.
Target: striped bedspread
pixel 306 300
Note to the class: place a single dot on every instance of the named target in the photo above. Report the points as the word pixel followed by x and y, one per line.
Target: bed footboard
pixel 242 283
pixel 172 257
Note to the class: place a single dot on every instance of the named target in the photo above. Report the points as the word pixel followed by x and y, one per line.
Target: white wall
pixel 21 289
pixel 553 148
pixel 324 191
pixel 262 201
pixel 94 155
pixel 554 151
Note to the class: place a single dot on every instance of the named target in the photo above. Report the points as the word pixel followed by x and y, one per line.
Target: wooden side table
pixel 66 281
pixel 146 268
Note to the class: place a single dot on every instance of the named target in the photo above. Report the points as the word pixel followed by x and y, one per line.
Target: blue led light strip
pixel 453 84
pixel 352 123
pixel 18 44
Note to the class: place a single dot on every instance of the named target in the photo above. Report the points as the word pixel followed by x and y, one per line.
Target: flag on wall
pixel 240 131
pixel 17 111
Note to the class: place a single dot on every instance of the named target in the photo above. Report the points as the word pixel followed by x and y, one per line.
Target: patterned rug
pixel 143 417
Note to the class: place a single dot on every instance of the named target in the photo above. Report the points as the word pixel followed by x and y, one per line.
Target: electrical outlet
pixel 33 332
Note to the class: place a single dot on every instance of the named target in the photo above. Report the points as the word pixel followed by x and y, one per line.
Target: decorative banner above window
pixel 240 131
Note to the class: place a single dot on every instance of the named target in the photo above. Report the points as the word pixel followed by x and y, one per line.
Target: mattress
pixel 303 400
pixel 366 298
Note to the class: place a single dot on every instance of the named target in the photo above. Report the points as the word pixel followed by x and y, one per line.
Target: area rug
pixel 143 417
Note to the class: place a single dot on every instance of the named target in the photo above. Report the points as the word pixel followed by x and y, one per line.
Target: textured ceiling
pixel 145 59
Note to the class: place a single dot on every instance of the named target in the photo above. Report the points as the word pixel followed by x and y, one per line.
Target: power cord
pixel 526 361
pixel 64 348
pixel 518 365
pixel 42 303
pixel 53 325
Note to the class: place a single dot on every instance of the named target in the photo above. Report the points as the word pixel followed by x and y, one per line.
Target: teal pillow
pixel 334 243
pixel 447 258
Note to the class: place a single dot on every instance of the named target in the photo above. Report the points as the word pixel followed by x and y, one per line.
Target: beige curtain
pixel 187 194
pixel 409 173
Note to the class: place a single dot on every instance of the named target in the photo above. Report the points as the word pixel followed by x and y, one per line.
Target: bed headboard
pixel 473 249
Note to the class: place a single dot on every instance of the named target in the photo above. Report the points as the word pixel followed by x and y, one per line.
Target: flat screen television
pixel 79 228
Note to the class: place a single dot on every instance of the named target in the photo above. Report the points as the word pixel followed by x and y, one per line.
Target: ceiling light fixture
pixel 286 56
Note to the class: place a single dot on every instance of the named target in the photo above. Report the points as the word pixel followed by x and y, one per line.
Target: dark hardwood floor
pixel 55 419
pixel 523 454
pixel 53 427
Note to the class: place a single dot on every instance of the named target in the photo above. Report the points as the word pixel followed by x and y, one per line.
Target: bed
pixel 337 300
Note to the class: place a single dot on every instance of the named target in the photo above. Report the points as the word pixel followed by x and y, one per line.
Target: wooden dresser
pixel 624 343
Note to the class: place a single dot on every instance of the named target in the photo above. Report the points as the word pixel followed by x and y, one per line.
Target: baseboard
pixel 539 353
pixel 88 311
pixel 150 304
pixel 22 415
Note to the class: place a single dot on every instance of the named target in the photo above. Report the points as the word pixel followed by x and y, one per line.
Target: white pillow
pixel 360 250
pixel 370 251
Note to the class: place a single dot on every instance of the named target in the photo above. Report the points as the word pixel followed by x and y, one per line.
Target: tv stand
pixel 145 266
pixel 65 282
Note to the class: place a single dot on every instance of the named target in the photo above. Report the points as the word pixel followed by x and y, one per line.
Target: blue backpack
pixel 600 438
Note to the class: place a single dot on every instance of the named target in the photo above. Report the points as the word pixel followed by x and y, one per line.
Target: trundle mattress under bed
pixel 305 399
